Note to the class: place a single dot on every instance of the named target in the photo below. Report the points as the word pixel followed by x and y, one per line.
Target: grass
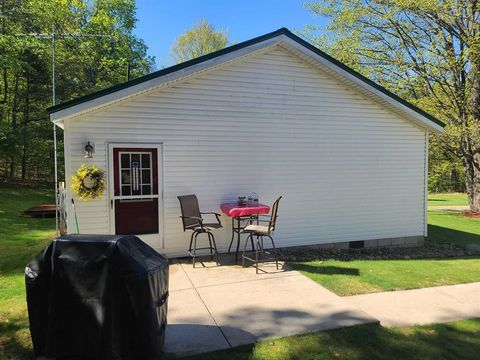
pixel 367 276
pixel 447 199
pixel 456 340
pixel 21 239
pixel 452 227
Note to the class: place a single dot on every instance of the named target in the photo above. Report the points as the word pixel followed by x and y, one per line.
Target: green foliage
pixel 446 176
pixel 84 64
pixel 446 171
pixel 200 40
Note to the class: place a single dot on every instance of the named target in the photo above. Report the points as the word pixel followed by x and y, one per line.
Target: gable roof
pixel 143 83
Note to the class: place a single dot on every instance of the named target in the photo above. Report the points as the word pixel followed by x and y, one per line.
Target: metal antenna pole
pixel 53 36
pixel 54 132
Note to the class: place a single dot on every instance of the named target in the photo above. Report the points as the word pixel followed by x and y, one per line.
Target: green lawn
pixel 21 239
pixel 367 276
pixel 447 199
pixel 457 340
pixel 452 227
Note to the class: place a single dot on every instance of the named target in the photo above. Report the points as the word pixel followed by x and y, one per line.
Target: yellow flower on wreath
pixel 88 183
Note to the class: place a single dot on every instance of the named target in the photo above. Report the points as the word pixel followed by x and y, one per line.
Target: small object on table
pixel 253 198
pixel 242 200
pixel 238 213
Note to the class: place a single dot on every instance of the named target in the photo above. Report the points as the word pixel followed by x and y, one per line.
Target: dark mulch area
pixel 430 250
pixel 471 214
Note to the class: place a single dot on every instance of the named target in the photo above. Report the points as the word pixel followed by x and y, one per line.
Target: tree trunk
pixel 474 158
pixel 26 118
pixel 12 167
pixel 14 123
pixel 472 182
pixel 24 154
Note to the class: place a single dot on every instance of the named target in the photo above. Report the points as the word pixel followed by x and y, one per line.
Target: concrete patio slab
pixel 229 272
pixel 421 306
pixel 277 306
pixel 191 329
pixel 218 307
pixel 178 279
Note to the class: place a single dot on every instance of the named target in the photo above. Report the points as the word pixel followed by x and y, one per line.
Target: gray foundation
pixel 408 241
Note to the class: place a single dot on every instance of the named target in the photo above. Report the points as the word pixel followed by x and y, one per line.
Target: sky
pixel 161 21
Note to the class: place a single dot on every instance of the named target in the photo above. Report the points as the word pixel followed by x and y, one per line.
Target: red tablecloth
pixel 235 210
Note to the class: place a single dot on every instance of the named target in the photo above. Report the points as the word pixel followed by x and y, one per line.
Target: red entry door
pixel 135 190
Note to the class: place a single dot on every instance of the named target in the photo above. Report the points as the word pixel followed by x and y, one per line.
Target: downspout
pixel 54 133
pixel 425 199
pixel 56 176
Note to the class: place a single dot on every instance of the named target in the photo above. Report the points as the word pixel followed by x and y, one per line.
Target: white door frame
pixel 157 241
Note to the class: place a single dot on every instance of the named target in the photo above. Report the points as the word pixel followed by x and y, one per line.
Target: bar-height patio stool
pixel 261 231
pixel 192 220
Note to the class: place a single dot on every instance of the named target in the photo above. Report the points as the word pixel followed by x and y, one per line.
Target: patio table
pixel 241 212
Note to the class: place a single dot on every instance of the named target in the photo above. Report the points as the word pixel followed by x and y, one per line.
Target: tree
pixel 200 40
pixel 426 51
pixel 84 64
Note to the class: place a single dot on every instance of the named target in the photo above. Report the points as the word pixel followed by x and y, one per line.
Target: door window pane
pixel 146 190
pixel 125 177
pixel 135 157
pixel 125 161
pixel 146 177
pixel 145 161
pixel 126 190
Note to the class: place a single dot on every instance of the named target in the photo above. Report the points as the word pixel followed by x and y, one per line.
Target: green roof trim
pixel 186 64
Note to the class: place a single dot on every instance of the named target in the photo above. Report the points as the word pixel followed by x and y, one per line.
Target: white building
pixel 273 115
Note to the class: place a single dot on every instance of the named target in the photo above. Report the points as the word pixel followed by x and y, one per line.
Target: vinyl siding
pixel 348 168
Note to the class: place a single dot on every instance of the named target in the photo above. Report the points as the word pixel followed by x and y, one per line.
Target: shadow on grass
pixel 443 234
pixel 325 269
pixel 15 340
pixel 443 341
pixel 431 200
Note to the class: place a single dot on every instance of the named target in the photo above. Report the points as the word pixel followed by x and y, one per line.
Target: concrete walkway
pixel 421 306
pixel 215 308
pixel 449 208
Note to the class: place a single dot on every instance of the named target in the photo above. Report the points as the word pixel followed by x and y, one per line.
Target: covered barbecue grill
pixel 97 297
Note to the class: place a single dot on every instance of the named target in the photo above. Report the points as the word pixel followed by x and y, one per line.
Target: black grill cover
pixel 97 297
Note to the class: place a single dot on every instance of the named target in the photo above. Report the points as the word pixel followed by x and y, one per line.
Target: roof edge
pixel 364 78
pixel 281 31
pixel 168 70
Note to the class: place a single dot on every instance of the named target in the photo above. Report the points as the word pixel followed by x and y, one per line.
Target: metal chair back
pixel 190 209
pixel 273 217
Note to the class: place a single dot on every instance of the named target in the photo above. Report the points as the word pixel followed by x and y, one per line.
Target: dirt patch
pixel 470 214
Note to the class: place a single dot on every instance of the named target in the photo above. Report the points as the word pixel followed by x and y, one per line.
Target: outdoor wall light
pixel 88 150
